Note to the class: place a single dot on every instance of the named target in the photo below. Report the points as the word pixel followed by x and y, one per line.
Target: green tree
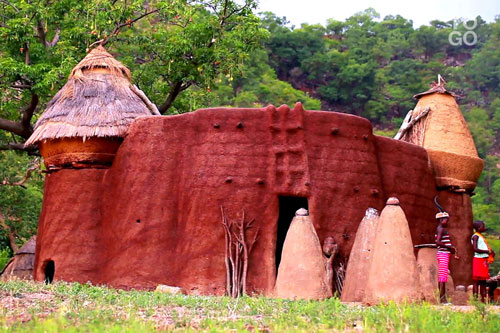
pixel 170 46
pixel 20 198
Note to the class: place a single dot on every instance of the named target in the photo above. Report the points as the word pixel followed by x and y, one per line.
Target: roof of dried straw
pixel 28 247
pixel 436 87
pixel 92 103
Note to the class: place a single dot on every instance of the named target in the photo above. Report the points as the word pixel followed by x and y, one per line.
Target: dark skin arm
pixel 475 239
pixel 440 232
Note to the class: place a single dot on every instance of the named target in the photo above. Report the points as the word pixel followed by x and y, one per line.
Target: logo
pixel 469 38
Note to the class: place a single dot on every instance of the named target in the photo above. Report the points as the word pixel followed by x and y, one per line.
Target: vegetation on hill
pixel 187 55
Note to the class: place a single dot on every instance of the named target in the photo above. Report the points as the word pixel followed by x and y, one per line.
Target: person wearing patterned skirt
pixel 444 251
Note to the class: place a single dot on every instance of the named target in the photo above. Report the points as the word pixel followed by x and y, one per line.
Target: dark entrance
pixel 288 207
pixel 49 271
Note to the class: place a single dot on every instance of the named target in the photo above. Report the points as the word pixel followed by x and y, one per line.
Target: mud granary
pixel 149 211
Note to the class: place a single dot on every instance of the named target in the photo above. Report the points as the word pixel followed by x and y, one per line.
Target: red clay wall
pixel 154 216
pixel 69 228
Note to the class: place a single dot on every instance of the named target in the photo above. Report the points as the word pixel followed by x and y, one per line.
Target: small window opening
pixel 288 206
pixel 49 271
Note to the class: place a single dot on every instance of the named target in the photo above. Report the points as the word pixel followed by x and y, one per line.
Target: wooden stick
pixel 226 255
pixel 408 122
pixel 145 99
pixel 245 255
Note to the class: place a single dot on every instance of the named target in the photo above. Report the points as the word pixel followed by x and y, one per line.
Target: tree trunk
pixel 10 234
pixel 172 95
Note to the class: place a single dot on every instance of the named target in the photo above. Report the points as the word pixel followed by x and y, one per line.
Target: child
pixel 445 248
pixel 482 255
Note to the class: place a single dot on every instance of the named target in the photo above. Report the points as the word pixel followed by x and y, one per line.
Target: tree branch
pixel 174 92
pixel 55 40
pixel 11 235
pixel 22 128
pixel 41 32
pixel 11 5
pixel 27 114
pixel 35 165
pixel 119 26
pixel 42 35
pixel 145 99
pixel 31 150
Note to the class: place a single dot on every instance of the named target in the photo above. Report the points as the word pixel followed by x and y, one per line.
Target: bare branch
pixel 9 4
pixel 42 35
pixel 119 26
pixel 145 99
pixel 41 32
pixel 21 86
pixel 175 90
pixel 27 54
pixel 11 126
pixel 27 114
pixel 11 235
pixel 55 40
pixel 31 150
pixel 22 128
pixel 35 165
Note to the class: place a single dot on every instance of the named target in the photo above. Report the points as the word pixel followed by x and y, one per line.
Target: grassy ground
pixel 35 307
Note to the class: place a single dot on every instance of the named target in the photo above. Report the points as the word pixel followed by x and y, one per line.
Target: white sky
pixel 420 11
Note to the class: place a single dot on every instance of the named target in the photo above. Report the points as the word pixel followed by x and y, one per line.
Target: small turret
pixel 86 120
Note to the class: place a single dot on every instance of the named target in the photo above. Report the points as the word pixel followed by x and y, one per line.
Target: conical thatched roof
pixel 97 101
pixel 436 87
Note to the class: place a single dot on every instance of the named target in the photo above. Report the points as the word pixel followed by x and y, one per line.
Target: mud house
pixel 134 200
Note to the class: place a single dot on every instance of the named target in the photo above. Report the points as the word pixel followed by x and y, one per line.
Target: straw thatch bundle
pixel 97 101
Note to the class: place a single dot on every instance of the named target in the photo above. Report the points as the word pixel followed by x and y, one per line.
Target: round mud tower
pixel 360 258
pixel 393 273
pixel 302 271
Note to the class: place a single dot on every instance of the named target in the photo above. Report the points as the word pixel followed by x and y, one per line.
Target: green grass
pixel 35 307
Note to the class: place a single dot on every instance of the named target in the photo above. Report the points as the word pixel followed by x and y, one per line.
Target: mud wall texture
pixel 154 217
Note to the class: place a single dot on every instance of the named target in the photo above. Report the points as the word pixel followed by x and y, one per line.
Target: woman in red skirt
pixel 480 262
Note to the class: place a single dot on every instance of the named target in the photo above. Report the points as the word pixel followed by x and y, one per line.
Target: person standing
pixel 483 256
pixel 444 251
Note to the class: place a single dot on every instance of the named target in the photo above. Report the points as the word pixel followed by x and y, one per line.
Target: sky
pixel 420 11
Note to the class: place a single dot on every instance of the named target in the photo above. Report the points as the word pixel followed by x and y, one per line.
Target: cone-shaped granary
pixel 446 137
pixel 393 274
pixel 428 272
pixel 88 117
pixel 360 258
pixel 302 270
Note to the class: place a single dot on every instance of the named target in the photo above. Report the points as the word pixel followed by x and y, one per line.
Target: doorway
pixel 49 270
pixel 288 206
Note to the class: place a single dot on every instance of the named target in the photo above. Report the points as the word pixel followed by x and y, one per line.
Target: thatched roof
pixel 436 87
pixel 28 247
pixel 21 264
pixel 97 101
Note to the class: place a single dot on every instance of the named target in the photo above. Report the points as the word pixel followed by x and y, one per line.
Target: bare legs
pixel 442 292
pixel 479 286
